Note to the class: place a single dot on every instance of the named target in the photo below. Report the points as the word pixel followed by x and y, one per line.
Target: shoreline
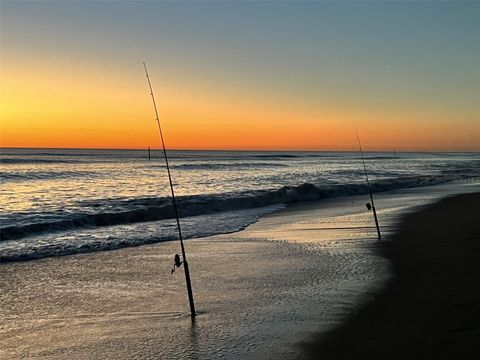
pixel 13 249
pixel 256 292
pixel 259 292
pixel 430 308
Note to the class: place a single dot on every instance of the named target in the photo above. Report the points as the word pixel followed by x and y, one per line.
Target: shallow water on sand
pixel 258 292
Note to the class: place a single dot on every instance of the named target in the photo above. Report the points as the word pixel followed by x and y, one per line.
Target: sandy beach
pixel 430 309
pixel 294 276
pixel 258 292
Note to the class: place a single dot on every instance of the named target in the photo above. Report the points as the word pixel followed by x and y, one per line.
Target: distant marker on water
pixel 372 206
pixel 177 261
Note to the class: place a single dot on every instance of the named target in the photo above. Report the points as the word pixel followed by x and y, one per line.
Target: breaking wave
pixel 128 211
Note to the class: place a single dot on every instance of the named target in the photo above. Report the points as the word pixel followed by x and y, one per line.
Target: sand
pixel 431 308
pixel 259 292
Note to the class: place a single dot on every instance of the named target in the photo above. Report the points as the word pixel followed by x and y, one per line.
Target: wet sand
pixel 258 292
pixel 431 308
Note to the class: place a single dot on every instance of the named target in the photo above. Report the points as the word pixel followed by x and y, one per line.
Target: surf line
pixel 174 203
pixel 372 206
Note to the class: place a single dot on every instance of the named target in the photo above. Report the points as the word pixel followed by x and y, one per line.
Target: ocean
pixel 57 202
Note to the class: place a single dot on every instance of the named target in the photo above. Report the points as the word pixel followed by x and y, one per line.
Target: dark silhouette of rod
pixel 185 263
pixel 369 188
pixel 149 153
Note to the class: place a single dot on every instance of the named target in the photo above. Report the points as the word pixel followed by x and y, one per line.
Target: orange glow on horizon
pixel 270 76
pixel 117 113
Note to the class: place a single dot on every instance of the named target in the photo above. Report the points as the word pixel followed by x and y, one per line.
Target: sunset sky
pixel 241 75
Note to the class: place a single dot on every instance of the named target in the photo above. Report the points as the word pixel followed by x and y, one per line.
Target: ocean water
pixel 57 201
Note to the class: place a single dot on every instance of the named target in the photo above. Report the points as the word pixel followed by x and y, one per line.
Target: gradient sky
pixel 241 75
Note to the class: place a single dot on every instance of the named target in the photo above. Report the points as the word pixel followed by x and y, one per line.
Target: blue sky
pixel 379 56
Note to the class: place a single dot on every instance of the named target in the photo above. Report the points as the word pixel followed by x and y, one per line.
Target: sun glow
pixel 238 86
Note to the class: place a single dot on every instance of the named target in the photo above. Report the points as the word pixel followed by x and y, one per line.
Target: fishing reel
pixel 176 262
pixel 369 206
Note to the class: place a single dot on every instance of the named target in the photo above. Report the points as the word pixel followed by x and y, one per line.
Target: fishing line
pixel 97 75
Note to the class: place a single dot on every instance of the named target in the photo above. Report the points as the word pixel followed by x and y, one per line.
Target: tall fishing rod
pixel 177 262
pixel 369 188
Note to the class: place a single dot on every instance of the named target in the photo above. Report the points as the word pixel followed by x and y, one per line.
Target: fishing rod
pixel 177 258
pixel 369 189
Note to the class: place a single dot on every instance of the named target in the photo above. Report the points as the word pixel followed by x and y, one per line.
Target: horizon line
pixel 238 150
